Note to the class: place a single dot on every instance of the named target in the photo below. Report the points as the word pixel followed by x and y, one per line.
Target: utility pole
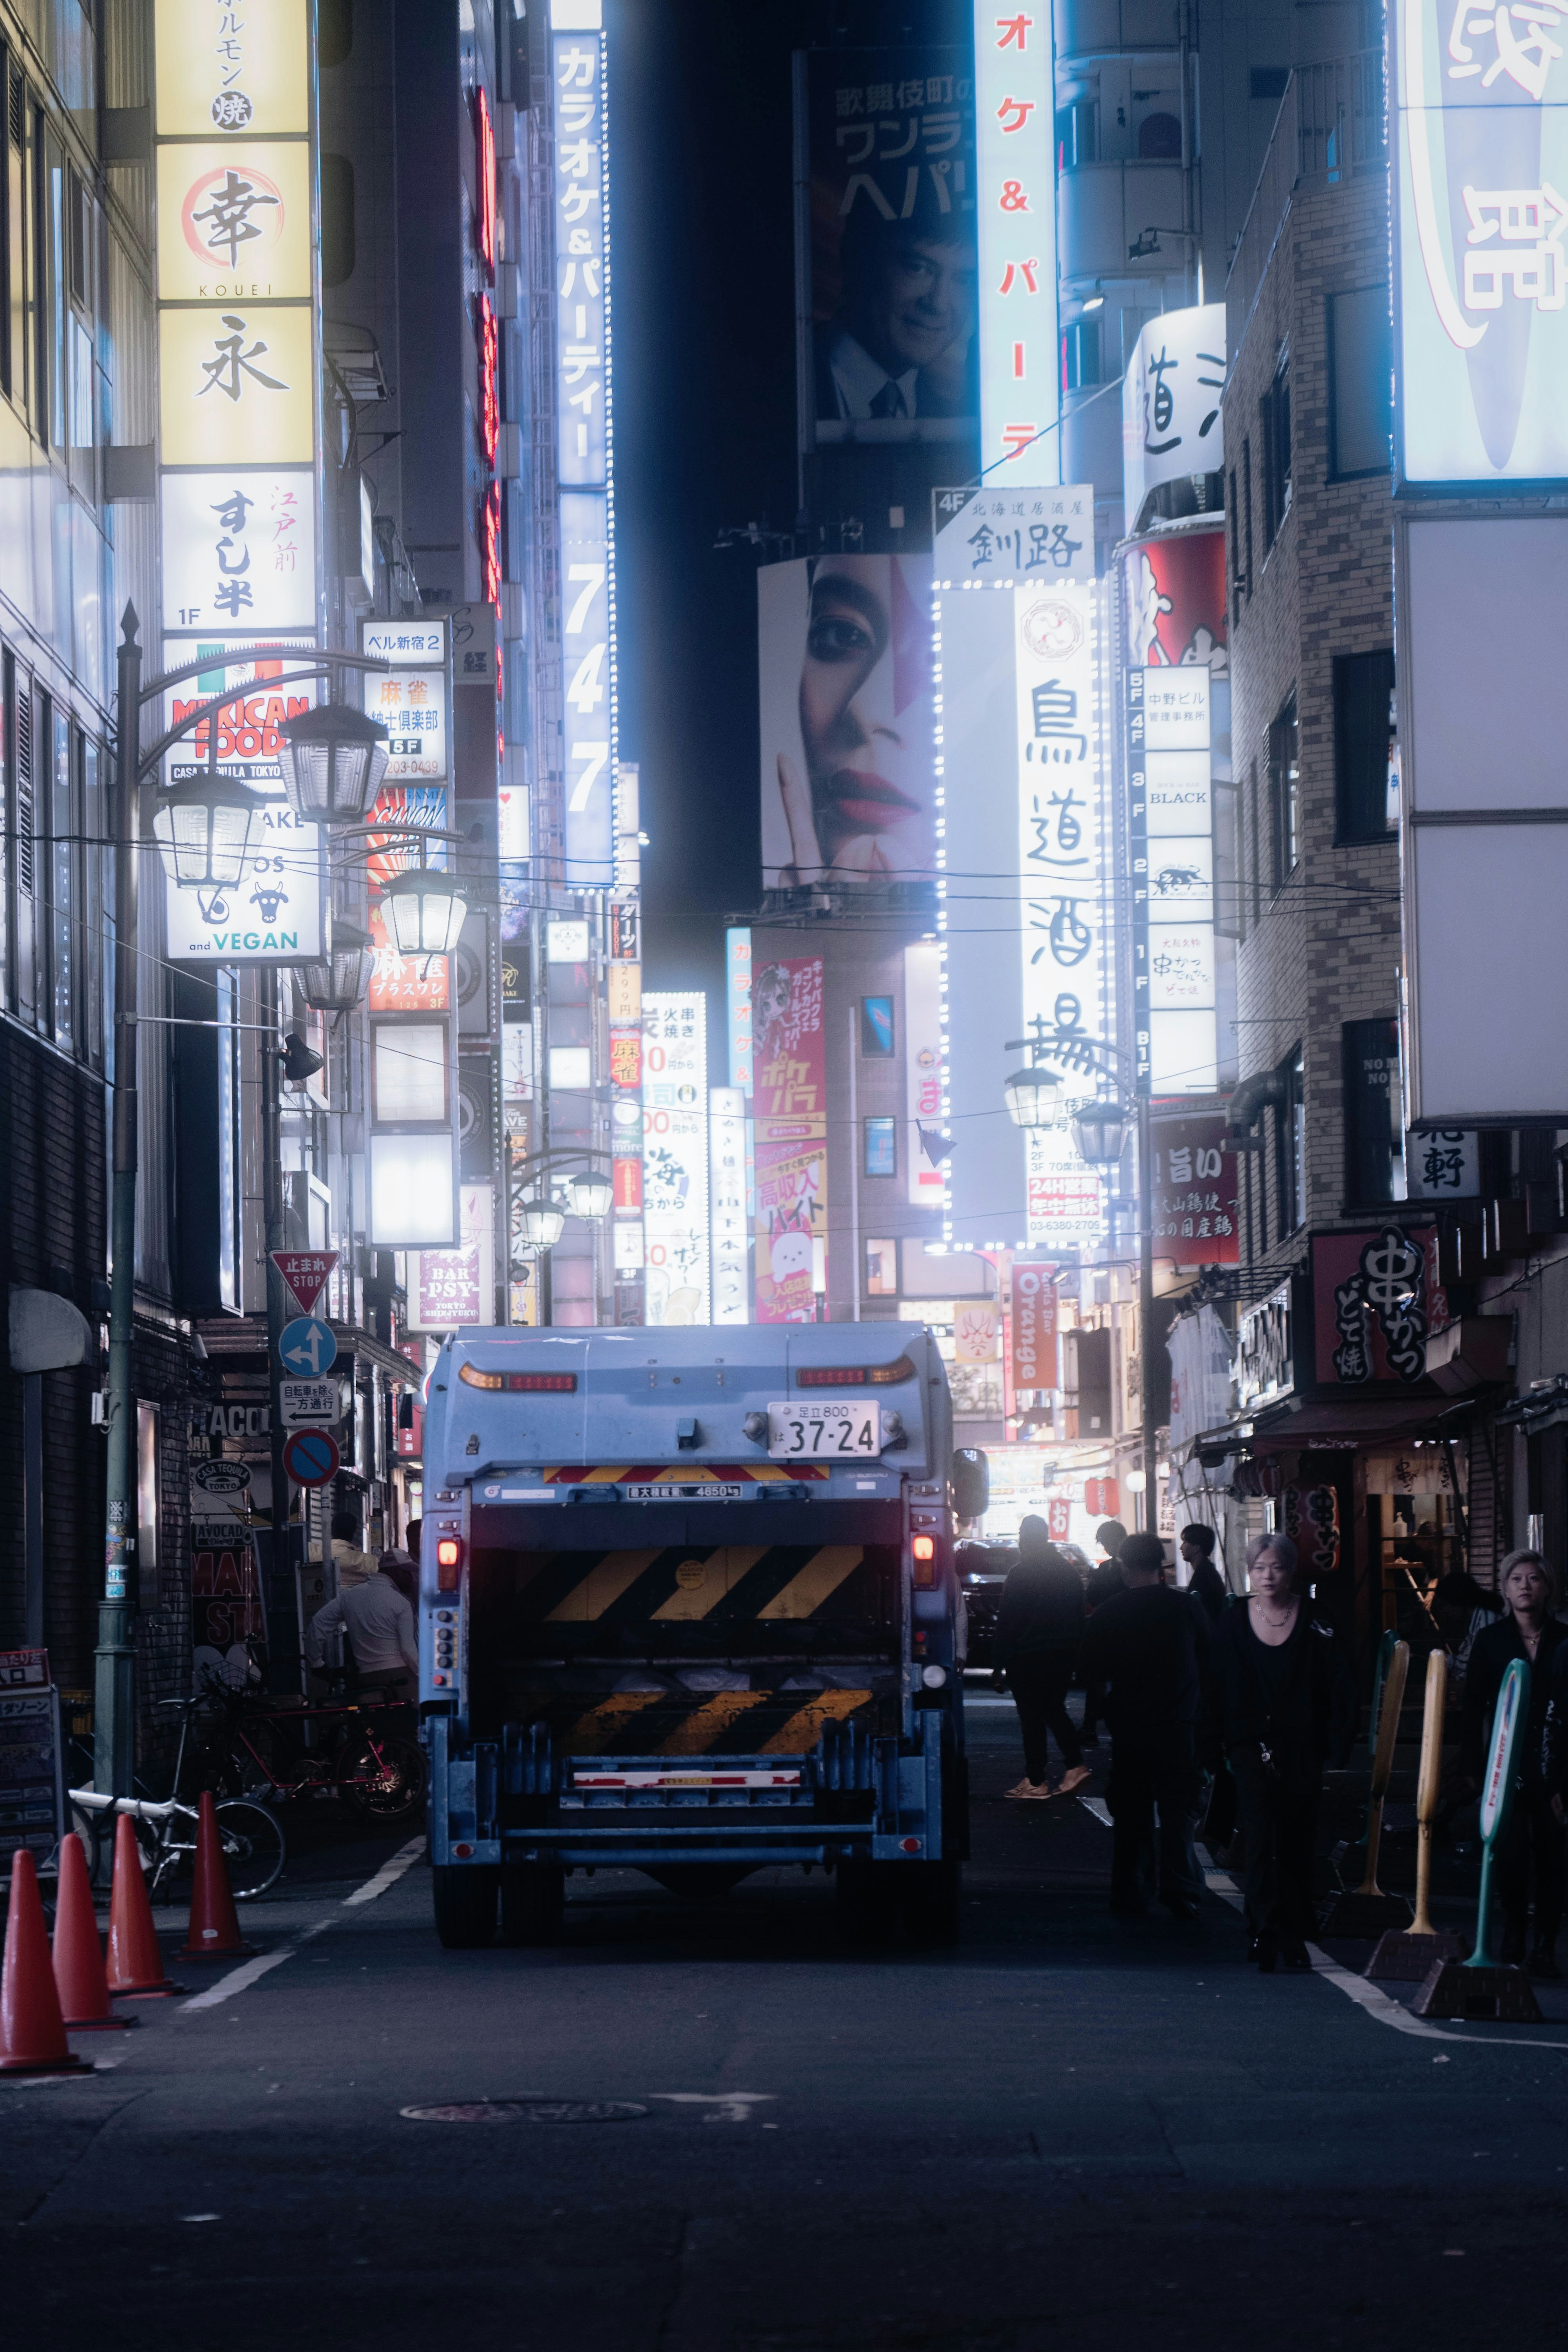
pixel 114 1720
pixel 276 1305
pixel 1146 1313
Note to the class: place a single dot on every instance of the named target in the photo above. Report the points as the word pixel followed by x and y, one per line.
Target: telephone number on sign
pixel 823 1430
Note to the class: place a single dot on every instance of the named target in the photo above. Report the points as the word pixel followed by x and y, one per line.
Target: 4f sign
pixel 1015 124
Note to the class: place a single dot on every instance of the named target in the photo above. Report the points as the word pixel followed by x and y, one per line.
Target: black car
pixel 982 1572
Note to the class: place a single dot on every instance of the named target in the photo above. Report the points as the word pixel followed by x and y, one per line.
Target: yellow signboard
pixel 232 70
pixel 234 222
pixel 625 994
pixel 237 386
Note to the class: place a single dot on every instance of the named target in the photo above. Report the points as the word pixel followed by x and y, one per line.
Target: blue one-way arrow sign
pixel 307 1347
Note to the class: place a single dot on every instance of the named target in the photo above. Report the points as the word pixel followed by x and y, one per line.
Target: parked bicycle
pixel 254 1849
pixel 359 1748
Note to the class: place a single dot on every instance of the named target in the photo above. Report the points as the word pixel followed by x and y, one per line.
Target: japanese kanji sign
pixel 1170 404
pixel 999 536
pixel 239 550
pixel 237 384
pixel 1014 113
pixel 674 1157
pixel 230 69
pixel 1196 1219
pixel 889 227
pixel 1482 127
pixel 234 222
pixel 305 1272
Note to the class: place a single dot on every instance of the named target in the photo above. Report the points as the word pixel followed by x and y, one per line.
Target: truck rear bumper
pixel 496 1804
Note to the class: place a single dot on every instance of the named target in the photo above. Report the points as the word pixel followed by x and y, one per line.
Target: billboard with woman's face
pixel 849 776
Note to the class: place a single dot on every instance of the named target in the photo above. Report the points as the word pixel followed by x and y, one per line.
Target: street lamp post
pixel 1099 1131
pixel 114 1717
pixel 540 1219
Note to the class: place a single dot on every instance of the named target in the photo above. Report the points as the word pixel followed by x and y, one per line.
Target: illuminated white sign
pixel 272 915
pixel 1482 130
pixel 239 550
pixel 1066 1200
pixel 412 706
pixel 1063 844
pixel 922 1070
pixel 675 1156
pixel 1170 404
pixel 1015 117
pixel 731 1226
pixel 999 537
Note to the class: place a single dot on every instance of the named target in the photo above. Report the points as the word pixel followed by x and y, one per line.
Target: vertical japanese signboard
pixel 1176 688
pixel 239 523
pixel 674 1157
pixel 1014 113
pixel 727 1184
pixel 583 460
pixel 1197 1221
pixel 790 1102
pixel 885 142
pixel 922 1070
pixel 1482 123
pixel 624 986
pixel 1063 835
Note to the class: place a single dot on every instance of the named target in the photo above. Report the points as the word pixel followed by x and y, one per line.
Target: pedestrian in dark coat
pixel 1104 1578
pixel 1039 1626
pixel 1531 1846
pixel 1204 1580
pixel 1281 1705
pixel 1148 1646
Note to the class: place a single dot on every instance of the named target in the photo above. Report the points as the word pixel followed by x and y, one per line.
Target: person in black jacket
pixel 1039 1627
pixel 1531 1843
pixel 1148 1646
pixel 1206 1581
pixel 1104 1578
pixel 1281 1705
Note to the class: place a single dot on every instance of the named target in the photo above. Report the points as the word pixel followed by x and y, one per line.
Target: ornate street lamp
pixel 335 981
pixel 1099 1132
pixel 332 761
pixel 423 910
pixel 541 1220
pixel 590 1195
pixel 203 832
pixel 1034 1097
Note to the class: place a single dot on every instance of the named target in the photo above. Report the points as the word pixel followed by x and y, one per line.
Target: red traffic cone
pixel 214 1932
pixel 80 1980
pixel 32 2031
pixel 135 1963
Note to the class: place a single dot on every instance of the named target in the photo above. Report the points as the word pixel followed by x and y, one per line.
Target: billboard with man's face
pixel 848 779
pixel 888 142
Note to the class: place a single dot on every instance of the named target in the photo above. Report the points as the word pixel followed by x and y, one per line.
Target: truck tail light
pixel 854 1376
pixel 449 1563
pixel 923 1548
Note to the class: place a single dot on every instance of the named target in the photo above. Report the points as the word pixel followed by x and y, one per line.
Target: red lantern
pixel 1102 1499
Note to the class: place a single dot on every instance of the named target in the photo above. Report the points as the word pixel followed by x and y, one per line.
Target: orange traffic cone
pixel 135 1963
pixel 32 2031
pixel 214 1932
pixel 80 1980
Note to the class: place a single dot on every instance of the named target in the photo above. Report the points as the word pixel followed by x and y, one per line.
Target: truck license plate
pixel 824 1432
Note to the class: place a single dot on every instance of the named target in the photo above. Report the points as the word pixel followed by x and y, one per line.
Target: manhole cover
pixel 528 2110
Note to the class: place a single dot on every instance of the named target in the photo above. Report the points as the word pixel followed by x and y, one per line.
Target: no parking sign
pixel 310 1456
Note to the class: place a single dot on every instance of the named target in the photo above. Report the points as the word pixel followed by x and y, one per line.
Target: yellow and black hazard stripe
pixel 719 1584
pixel 713 1723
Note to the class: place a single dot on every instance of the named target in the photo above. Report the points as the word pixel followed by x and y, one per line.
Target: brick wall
pixel 1324 950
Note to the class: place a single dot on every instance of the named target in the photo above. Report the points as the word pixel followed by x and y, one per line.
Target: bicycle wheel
pixel 253 1849
pixel 382 1778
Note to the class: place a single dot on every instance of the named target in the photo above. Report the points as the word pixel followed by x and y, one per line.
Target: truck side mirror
pixel 969 1479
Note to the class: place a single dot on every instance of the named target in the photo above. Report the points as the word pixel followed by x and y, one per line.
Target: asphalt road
pixel 1073 2129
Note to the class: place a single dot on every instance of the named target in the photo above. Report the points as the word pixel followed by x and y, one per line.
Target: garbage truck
pixel 687 1606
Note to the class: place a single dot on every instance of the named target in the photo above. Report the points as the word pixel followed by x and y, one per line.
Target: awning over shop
pixel 1334 1422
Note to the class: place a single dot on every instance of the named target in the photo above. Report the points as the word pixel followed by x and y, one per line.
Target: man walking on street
pixel 1148 1645
pixel 1104 1578
pixel 1039 1627
pixel 380 1625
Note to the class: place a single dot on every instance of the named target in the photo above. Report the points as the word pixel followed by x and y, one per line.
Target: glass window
pixel 877 1025
pixel 1290 1144
pixel 1080 354
pixel 1285 793
pixel 881 1270
pixel 1360 383
pixel 1374 1123
pixel 1275 419
pixel 92 865
pixel 1364 733
pixel 881 1147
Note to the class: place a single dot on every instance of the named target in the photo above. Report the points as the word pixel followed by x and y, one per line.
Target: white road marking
pixel 1098 1808
pixel 251 1971
pixel 728 2106
pixel 1377 2005
pixel 388 1874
